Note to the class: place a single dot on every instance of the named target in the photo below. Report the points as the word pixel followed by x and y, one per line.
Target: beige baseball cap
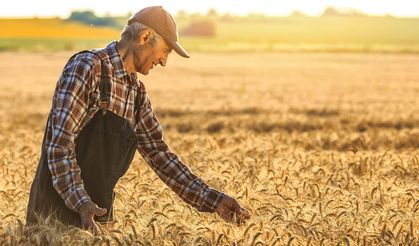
pixel 163 23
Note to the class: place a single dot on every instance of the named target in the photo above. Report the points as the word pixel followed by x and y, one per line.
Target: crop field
pixel 320 147
pixel 231 33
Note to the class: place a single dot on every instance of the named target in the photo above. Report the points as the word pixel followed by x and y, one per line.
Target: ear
pixel 144 36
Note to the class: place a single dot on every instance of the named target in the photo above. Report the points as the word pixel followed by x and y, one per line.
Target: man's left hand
pixel 231 211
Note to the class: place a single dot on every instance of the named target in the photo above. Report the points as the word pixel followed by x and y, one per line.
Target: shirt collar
pixel 116 61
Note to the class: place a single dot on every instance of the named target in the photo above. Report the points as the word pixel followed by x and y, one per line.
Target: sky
pixel 63 8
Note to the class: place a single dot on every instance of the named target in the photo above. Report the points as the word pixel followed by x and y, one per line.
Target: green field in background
pixel 49 44
pixel 327 33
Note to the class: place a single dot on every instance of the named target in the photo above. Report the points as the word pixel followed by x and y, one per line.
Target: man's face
pixel 154 51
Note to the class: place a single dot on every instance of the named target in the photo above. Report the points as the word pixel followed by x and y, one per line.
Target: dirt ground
pixel 318 146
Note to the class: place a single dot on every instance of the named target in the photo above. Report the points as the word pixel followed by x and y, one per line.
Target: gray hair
pixel 131 32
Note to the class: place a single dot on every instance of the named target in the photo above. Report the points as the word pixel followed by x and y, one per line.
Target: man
pixel 100 115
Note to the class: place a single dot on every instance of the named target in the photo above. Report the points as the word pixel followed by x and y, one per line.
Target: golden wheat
pixel 322 148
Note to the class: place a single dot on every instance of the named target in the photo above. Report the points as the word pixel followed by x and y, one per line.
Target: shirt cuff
pixel 212 199
pixel 76 199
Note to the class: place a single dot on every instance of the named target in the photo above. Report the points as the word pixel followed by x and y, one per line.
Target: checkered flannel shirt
pixel 73 106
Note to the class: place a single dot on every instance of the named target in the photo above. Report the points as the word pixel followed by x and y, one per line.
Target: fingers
pixel 93 209
pixel 91 226
pixel 87 223
pixel 87 213
pixel 242 215
pixel 235 217
pixel 94 229
pixel 231 211
pixel 99 211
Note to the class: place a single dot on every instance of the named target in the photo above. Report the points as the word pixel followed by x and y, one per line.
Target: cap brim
pixel 179 49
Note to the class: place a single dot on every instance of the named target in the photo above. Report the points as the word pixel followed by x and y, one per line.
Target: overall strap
pixel 138 100
pixel 105 80
pixel 104 84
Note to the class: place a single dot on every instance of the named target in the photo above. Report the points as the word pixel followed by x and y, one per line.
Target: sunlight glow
pixel 49 8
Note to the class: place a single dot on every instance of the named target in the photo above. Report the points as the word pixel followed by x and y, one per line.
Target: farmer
pixel 100 115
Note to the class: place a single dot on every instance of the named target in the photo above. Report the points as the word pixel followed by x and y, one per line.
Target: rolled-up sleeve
pixel 69 109
pixel 168 166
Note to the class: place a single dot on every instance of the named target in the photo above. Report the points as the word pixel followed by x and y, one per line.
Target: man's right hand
pixel 231 211
pixel 87 213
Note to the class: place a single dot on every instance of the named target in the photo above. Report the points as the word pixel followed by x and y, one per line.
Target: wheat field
pixel 320 147
pixel 231 34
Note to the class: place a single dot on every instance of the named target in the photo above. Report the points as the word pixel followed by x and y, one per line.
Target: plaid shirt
pixel 74 104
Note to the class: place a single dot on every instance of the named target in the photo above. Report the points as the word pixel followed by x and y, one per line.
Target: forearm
pixel 168 166
pixel 69 110
pixel 182 180
pixel 66 176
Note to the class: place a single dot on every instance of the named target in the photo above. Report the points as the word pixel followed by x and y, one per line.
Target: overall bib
pixel 105 148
